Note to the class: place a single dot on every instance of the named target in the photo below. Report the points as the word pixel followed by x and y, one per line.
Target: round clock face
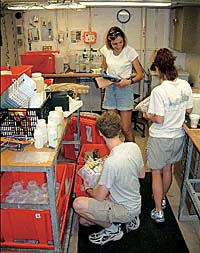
pixel 123 16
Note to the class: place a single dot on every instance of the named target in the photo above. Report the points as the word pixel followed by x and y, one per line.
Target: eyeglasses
pixel 113 34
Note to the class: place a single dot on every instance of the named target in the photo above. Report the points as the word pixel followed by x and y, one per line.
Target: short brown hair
pixel 112 34
pixel 109 124
pixel 164 60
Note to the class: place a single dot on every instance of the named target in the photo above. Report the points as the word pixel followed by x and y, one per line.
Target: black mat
pixel 149 238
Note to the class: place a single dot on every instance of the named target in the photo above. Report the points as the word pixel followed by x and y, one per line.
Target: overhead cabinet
pixel 185 29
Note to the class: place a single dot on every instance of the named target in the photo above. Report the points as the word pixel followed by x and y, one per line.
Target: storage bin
pixel 89 135
pixel 22 121
pixel 16 72
pixel 102 150
pixel 28 228
pixel 42 61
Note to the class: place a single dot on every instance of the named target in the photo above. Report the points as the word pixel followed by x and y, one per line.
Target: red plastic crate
pixel 70 150
pixel 78 184
pixel 42 61
pixel 14 222
pixel 17 71
pixel 102 151
pixel 89 135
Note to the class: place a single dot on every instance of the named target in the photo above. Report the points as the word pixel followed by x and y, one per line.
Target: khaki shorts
pixel 107 211
pixel 163 151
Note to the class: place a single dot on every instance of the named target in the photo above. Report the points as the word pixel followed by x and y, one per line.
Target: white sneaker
pixel 105 236
pixel 158 216
pixel 164 203
pixel 133 225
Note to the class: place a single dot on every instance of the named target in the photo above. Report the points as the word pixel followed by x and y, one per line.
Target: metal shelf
pixel 49 169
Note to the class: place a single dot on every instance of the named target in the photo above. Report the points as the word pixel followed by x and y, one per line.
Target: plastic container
pixel 89 135
pixel 38 138
pixel 39 81
pixel 16 72
pixel 8 119
pixel 42 61
pixel 52 137
pixel 15 221
pixel 194 120
pixel 42 125
pixel 101 149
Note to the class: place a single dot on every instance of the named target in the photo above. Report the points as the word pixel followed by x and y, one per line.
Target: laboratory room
pixel 87 88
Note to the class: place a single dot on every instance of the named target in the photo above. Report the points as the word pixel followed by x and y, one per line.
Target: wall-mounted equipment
pixel 89 37
pixel 46 30
pixel 60 36
pixel 33 34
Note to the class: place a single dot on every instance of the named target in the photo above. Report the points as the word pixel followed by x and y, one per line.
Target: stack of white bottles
pixel 50 132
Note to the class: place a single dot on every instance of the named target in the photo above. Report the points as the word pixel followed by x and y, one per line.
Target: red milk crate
pixel 42 61
pixel 14 222
pixel 102 150
pixel 16 72
pixel 70 150
pixel 78 184
pixel 89 134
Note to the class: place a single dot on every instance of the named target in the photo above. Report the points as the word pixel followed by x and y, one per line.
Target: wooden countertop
pixel 70 74
pixel 194 135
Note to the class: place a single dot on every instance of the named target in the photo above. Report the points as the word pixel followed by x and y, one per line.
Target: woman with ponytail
pixel 168 105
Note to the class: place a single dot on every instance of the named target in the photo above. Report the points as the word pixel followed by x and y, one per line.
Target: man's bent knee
pixel 79 204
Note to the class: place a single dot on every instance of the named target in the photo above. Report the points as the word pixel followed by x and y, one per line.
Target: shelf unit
pixel 43 160
pixel 191 183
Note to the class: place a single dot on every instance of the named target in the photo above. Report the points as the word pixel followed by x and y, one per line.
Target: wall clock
pixel 123 16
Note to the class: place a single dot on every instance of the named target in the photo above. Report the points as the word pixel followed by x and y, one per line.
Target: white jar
pixel 52 137
pixel 59 108
pixel 42 124
pixel 38 138
pixel 39 81
pixel 57 117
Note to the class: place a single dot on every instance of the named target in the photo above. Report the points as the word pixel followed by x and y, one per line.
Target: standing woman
pixel 168 104
pixel 118 60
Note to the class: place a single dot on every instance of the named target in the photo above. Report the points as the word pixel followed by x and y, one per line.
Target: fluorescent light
pixel 47 7
pixel 137 4
pixel 21 7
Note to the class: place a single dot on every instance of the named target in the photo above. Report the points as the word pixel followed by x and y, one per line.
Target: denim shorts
pixel 163 151
pixel 118 98
pixel 107 211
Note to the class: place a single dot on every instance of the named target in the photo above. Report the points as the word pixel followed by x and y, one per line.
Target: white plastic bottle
pixel 38 143
pixel 39 81
pixel 57 117
pixel 52 137
pixel 42 124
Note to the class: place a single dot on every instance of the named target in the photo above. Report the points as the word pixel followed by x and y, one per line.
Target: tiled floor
pixel 190 230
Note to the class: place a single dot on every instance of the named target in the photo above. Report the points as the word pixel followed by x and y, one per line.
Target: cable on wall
pixel 14 40
pixel 6 40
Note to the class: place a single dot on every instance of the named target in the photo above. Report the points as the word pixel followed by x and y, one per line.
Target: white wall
pixel 155 36
pixel 157 28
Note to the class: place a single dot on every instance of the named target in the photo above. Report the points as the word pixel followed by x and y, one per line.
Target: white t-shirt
pixel 170 99
pixel 120 175
pixel 120 65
